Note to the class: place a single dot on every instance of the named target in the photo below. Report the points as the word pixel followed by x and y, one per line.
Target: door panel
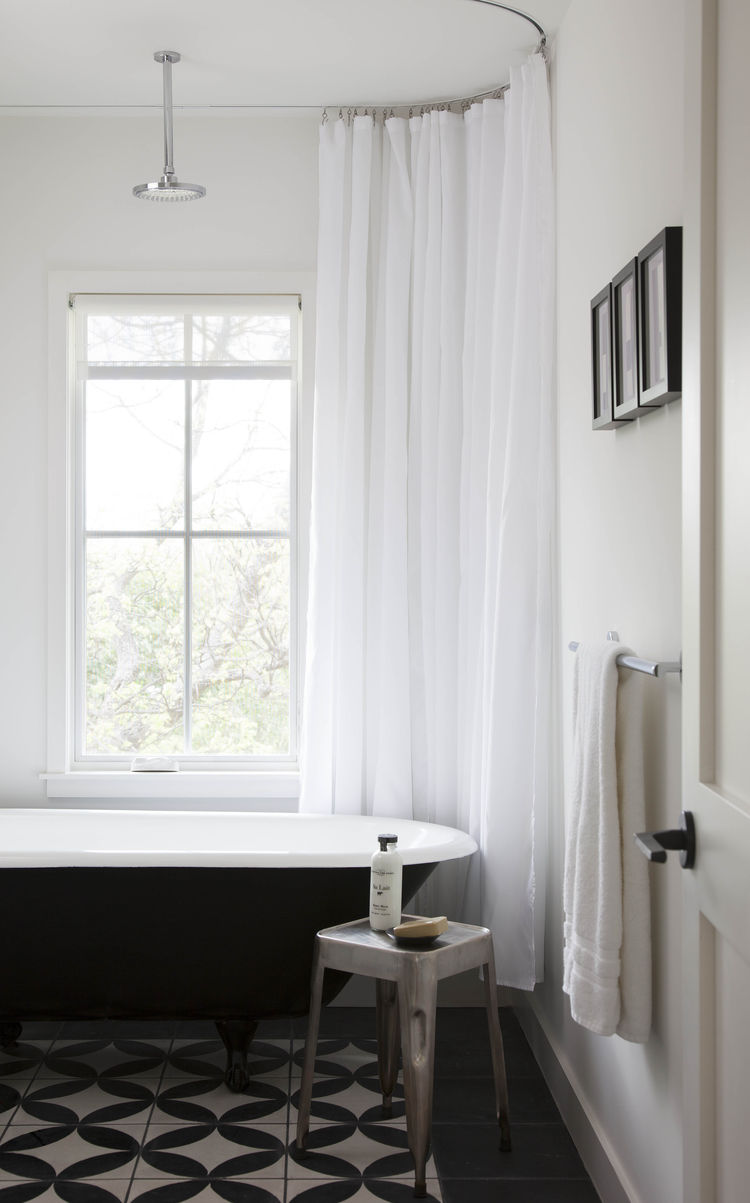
pixel 716 604
pixel 733 411
pixel 732 1073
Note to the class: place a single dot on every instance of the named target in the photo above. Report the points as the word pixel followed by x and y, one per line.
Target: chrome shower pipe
pixel 168 187
pixel 166 58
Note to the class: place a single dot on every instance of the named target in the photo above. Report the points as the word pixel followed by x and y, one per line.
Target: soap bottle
pixel 385 885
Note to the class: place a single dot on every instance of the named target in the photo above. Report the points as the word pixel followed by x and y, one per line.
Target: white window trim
pixel 64 778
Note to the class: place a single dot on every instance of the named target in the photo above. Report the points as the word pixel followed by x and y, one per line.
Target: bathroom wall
pixel 618 101
pixel 66 203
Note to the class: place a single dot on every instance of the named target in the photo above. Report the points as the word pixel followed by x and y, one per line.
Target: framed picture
pixel 625 341
pixel 660 318
pixel 602 367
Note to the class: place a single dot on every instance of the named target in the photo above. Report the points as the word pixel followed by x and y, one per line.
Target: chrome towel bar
pixel 654 668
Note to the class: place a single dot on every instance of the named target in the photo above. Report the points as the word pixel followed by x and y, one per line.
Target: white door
pixel 716 601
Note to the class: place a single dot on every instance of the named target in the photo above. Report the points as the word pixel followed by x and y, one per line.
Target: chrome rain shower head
pixel 168 187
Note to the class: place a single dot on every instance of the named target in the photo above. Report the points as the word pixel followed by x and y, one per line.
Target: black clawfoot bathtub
pixel 145 915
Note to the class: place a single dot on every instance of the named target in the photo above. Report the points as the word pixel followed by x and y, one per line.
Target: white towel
pixel 607 958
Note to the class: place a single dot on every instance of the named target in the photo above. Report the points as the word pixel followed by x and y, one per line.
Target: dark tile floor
pixel 106 1113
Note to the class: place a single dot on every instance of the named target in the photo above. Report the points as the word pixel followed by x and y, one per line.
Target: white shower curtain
pixel 428 678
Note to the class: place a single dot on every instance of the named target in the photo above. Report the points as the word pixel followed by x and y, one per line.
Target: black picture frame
pixel 602 366
pixel 626 341
pixel 660 318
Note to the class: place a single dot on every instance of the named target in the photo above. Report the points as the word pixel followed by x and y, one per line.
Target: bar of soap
pixel 154 764
pixel 421 929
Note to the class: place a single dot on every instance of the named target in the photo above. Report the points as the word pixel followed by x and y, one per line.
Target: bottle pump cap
pixel 385 840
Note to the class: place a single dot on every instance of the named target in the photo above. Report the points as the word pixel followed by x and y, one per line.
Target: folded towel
pixel 607 957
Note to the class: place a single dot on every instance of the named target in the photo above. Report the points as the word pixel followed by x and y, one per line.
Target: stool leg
pixel 313 1023
pixel 498 1055
pixel 386 1012
pixel 417 992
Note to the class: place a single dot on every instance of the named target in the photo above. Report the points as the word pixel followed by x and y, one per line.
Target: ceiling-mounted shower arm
pixel 168 187
pixel 166 58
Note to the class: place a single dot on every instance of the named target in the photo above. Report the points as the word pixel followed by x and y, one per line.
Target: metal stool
pixel 406 986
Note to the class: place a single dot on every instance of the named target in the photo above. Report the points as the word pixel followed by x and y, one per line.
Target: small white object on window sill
pixel 154 764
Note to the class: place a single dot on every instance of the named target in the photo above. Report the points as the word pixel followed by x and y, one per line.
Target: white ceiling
pixel 98 54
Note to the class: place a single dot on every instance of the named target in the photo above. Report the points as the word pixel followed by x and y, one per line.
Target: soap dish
pixel 419 933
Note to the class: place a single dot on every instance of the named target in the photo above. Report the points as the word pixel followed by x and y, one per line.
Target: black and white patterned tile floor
pixel 111 1113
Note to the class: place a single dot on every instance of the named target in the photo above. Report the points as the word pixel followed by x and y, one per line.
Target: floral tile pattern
pixel 359 1151
pixel 113 1113
pixel 21 1061
pixel 83 1101
pixel 336 1190
pixel 69 1152
pixel 234 1190
pixel 115 1191
pixel 213 1151
pixel 206 1059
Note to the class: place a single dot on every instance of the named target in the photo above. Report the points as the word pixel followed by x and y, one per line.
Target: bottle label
pixel 382 884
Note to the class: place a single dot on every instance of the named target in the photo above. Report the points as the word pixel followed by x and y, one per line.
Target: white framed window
pixel 179 476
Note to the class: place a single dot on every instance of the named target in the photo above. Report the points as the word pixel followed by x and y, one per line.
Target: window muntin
pixel 186 499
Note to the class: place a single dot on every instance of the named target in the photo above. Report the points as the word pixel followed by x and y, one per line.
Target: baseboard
pixel 602 1163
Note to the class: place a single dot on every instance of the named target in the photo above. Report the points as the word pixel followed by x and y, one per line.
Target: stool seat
pixel 406 980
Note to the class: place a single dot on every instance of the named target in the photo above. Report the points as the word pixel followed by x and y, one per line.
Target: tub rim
pixel 22 846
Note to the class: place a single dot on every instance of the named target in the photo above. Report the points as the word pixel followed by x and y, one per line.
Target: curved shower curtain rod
pixel 541 48
pixel 517 13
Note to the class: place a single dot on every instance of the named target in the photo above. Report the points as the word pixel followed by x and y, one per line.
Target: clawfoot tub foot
pixel 9 1033
pixel 236 1036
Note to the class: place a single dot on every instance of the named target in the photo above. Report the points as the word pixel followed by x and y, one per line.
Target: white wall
pixel 66 203
pixel 618 101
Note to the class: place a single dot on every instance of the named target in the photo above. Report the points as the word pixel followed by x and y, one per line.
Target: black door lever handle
pixel 656 844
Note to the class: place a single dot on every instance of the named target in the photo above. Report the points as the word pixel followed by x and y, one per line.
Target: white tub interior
pixel 46 837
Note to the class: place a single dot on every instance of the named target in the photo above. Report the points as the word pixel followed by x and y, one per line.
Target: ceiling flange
pixel 166 56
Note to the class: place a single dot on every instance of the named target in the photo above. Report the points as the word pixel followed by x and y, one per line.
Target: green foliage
pixel 135 586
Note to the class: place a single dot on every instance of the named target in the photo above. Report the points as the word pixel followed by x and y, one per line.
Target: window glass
pixel 241 645
pixel 241 441
pixel 186 539
pixel 135 600
pixel 135 454
pixel 228 338
pixel 135 338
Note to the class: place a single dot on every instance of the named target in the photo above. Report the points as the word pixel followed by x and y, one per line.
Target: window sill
pixel 106 783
